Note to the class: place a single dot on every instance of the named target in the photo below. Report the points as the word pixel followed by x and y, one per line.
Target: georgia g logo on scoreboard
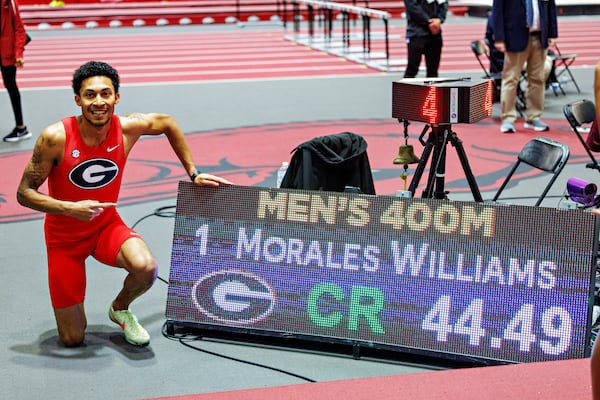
pixel 235 297
pixel 94 173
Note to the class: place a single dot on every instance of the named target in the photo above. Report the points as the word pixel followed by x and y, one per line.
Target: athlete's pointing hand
pixel 87 210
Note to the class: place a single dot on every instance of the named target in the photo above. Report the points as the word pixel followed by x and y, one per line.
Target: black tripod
pixel 435 147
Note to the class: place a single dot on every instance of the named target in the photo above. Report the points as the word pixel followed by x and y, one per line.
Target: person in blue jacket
pixel 523 30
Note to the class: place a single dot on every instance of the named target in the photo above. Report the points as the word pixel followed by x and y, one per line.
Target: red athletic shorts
pixel 66 260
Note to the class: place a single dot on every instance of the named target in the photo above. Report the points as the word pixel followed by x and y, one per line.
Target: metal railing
pixel 324 13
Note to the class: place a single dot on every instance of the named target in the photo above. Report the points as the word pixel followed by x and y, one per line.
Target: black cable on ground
pixel 186 344
pixel 186 339
pixel 162 212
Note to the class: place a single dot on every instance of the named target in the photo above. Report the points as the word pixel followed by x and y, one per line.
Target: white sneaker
pixel 583 129
pixel 537 125
pixel 135 333
pixel 507 127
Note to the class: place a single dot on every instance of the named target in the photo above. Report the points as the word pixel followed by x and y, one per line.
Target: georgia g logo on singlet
pixel 94 173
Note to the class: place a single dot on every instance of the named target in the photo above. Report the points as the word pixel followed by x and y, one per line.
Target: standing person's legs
pixel 536 83
pixel 433 54
pixel 416 48
pixel 513 66
pixel 20 132
pixel 9 76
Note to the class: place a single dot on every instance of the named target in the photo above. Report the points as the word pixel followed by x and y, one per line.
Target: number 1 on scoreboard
pixel 202 233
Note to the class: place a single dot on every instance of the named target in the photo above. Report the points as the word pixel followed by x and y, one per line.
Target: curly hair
pixel 95 68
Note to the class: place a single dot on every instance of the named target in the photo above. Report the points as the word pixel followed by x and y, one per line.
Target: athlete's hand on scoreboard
pixel 210 180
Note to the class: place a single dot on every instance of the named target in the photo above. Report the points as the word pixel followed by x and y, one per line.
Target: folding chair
pixel 552 80
pixel 481 51
pixel 578 113
pixel 562 62
pixel 544 154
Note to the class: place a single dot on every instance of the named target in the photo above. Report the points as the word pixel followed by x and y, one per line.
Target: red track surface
pixel 170 57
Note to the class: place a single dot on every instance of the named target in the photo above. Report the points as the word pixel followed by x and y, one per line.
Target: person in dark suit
pixel 523 30
pixel 424 19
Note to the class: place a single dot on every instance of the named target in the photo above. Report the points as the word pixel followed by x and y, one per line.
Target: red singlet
pixel 85 173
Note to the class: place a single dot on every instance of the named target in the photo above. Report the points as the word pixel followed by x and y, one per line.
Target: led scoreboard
pixel 442 100
pixel 459 280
